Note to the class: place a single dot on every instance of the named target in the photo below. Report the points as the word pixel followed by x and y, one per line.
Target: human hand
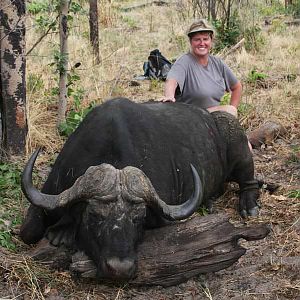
pixel 168 99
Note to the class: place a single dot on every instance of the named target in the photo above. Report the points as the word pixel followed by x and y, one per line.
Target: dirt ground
pixel 269 269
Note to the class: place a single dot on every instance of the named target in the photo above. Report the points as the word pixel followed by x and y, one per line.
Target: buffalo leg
pixel 240 165
pixel 243 174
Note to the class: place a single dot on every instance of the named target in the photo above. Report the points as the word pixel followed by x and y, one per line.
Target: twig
pixel 41 37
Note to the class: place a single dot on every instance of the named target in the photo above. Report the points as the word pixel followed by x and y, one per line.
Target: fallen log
pixel 175 253
pixel 233 48
pixel 295 22
pixel 266 134
pixel 143 5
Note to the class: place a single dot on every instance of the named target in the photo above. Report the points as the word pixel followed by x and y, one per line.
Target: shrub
pixel 294 9
pixel 278 26
pixel 227 34
pixel 255 76
pixel 254 39
pixel 74 118
pixel 10 195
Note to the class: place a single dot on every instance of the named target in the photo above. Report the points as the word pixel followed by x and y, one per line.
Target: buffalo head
pixel 109 209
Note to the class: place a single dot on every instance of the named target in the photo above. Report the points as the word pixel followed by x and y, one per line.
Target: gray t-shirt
pixel 199 85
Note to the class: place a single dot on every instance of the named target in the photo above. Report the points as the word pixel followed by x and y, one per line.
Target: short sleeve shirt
pixel 203 86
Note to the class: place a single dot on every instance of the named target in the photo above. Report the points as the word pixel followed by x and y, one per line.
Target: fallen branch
pixel 233 48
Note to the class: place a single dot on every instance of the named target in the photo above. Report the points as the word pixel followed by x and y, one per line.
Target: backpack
pixel 157 66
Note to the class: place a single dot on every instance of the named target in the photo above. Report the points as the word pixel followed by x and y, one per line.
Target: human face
pixel 201 43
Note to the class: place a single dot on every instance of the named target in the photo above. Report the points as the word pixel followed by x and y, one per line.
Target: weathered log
pixel 234 48
pixel 294 22
pixel 173 254
pixel 155 2
pixel 266 134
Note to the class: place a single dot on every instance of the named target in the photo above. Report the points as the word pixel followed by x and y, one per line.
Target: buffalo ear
pixel 63 232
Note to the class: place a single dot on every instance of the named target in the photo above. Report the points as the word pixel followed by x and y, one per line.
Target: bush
pixel 10 195
pixel 278 26
pixel 277 8
pixel 227 34
pixel 255 76
pixel 73 120
pixel 253 38
pixel 294 9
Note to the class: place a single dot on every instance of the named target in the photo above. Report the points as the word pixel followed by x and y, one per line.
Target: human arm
pixel 236 93
pixel 170 88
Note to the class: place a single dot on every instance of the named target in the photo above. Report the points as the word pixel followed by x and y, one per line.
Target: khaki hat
pixel 200 26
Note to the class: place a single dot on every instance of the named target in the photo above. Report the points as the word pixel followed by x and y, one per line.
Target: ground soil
pixel 269 269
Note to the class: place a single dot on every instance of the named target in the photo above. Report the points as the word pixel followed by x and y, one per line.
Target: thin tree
pixel 211 10
pixel 288 3
pixel 12 77
pixel 94 30
pixel 64 59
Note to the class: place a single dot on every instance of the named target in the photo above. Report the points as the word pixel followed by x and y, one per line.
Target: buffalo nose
pixel 120 268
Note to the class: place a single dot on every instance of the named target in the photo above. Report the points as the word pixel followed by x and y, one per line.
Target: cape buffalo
pixel 131 166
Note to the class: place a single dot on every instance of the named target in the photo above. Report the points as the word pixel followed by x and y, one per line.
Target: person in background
pixel 202 78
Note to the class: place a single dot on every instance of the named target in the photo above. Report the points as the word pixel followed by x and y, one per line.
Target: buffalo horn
pixel 186 209
pixel 34 196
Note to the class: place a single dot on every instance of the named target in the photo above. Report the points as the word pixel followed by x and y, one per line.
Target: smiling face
pixel 201 43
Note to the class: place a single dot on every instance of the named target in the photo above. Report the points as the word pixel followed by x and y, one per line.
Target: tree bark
pixel 64 59
pixel 172 254
pixel 94 30
pixel 12 77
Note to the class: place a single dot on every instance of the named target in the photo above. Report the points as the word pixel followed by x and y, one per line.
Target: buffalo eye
pixel 136 219
pixel 139 214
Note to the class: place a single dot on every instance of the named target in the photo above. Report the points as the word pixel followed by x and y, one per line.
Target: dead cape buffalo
pixel 132 166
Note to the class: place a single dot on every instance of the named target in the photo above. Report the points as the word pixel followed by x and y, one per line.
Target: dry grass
pixel 32 280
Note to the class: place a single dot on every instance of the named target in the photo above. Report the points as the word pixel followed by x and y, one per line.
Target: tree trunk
pixel 64 59
pixel 288 3
pixel 172 254
pixel 13 127
pixel 228 14
pixel 94 30
pixel 209 10
pixel 213 10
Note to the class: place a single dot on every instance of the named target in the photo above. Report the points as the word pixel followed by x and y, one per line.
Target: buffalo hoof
pixel 253 212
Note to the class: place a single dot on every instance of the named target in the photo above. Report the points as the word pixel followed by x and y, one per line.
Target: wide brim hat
pixel 200 26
